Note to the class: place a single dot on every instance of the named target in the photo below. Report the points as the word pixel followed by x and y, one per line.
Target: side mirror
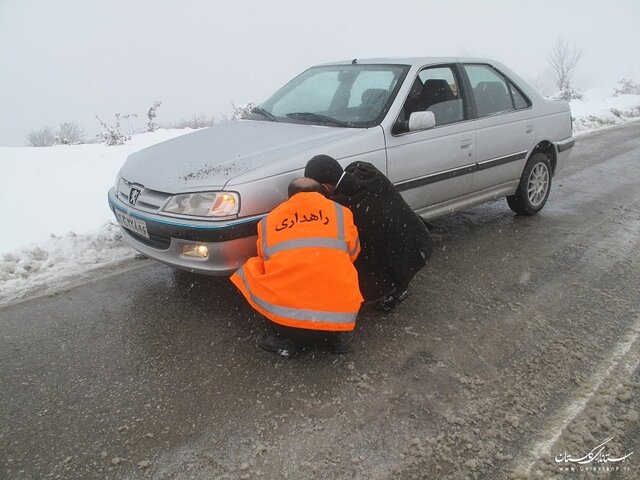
pixel 421 121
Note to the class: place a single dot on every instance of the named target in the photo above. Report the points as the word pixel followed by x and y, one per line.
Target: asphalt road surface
pixel 516 355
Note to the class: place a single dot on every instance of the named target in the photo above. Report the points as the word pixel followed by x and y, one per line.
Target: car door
pixel 435 165
pixel 504 127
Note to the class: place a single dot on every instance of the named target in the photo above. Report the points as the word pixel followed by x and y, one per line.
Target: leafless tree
pixel 563 59
pixel 45 137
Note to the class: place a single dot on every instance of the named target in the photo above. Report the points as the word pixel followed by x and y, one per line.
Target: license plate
pixel 138 226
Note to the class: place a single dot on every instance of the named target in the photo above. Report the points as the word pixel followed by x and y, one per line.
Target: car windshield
pixel 335 95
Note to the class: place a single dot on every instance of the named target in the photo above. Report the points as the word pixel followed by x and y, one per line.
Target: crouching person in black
pixel 394 240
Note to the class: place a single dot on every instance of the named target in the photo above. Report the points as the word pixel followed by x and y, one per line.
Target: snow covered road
pixel 518 345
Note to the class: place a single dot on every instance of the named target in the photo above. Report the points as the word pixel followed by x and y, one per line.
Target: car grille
pixel 148 200
pixel 155 241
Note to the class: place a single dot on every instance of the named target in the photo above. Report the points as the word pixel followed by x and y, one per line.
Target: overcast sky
pixel 69 60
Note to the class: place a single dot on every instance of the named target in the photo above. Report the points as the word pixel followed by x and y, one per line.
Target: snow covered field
pixel 66 229
pixel 598 109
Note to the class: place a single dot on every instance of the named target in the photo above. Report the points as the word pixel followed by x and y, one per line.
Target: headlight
pixel 204 204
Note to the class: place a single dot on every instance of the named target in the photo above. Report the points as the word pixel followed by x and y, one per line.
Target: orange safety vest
pixel 303 276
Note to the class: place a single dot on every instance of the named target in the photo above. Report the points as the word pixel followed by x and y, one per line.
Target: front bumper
pixel 230 243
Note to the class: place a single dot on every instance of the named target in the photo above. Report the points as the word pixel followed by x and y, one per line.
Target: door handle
pixel 467 144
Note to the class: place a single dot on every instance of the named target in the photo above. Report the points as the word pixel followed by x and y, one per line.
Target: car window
pixel 336 95
pixel 435 89
pixel 381 82
pixel 519 100
pixel 490 90
pixel 316 94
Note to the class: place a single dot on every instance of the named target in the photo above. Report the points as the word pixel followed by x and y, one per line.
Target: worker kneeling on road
pixel 395 241
pixel 303 279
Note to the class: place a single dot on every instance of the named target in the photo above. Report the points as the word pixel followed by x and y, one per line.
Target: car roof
pixel 413 61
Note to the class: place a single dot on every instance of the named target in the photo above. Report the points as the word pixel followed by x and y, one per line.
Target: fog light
pixel 195 250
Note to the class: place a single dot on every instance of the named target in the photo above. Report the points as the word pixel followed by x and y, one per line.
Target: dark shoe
pixel 386 304
pixel 341 341
pixel 280 345
pixel 402 296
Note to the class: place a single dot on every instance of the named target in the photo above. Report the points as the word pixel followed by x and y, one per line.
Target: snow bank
pixel 599 109
pixel 56 223
pixel 68 256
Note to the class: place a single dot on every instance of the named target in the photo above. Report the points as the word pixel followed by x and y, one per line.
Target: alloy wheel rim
pixel 538 184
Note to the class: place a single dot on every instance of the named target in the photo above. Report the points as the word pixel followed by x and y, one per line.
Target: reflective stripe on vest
pixel 310 242
pixel 299 314
pixel 355 247
pixel 340 220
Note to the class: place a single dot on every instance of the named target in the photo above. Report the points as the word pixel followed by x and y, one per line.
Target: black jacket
pixel 394 240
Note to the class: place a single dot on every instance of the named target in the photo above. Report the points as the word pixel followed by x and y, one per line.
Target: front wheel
pixel 534 187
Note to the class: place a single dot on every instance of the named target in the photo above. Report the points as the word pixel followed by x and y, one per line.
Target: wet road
pixel 519 343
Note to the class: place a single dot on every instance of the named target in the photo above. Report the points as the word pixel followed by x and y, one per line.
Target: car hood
pixel 211 157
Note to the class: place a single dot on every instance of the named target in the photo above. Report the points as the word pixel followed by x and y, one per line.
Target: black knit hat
pixel 323 169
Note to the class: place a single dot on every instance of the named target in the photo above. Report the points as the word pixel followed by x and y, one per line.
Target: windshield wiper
pixel 316 117
pixel 264 113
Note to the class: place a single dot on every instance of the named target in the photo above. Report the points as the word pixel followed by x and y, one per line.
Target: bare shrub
pixel 45 137
pixel 627 87
pixel 70 133
pixel 152 113
pixel 242 111
pixel 570 93
pixel 563 59
pixel 199 120
pixel 111 134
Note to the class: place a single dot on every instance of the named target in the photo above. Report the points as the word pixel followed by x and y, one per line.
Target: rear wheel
pixel 534 187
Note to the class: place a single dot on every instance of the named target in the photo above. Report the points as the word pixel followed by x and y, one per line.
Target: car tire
pixel 534 187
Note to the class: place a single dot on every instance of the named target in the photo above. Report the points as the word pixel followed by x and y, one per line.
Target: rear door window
pixel 490 89
pixel 519 100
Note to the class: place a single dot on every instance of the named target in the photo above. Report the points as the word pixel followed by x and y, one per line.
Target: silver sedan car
pixel 448 132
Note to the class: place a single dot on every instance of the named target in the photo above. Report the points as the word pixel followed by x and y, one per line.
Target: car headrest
pixel 436 90
pixel 374 96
